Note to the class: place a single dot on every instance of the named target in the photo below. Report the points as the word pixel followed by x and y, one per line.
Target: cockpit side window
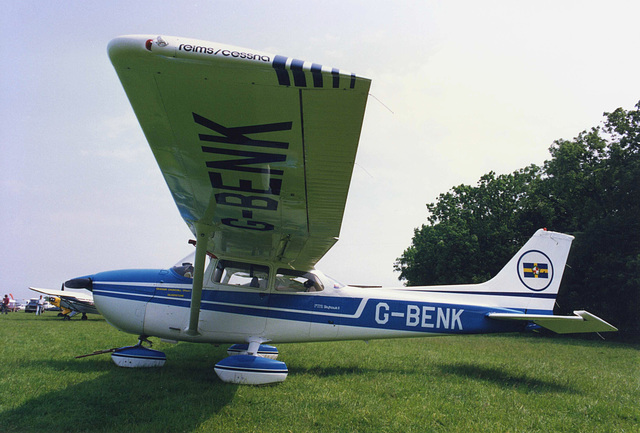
pixel 240 274
pixel 288 280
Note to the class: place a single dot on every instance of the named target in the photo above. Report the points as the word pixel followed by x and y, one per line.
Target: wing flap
pixel 583 321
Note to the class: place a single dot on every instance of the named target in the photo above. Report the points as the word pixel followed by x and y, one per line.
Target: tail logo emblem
pixel 535 270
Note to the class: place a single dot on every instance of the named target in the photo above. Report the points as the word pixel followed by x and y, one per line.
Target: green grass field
pixel 515 383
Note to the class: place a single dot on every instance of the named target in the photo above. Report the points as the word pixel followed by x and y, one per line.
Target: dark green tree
pixel 589 188
pixel 594 182
pixel 472 229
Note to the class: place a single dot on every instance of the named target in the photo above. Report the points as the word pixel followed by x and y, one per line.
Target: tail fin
pixel 533 275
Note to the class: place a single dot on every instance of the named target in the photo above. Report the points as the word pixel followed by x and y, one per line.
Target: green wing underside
pixel 265 163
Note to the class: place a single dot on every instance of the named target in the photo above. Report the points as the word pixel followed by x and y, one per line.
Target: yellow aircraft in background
pixel 71 303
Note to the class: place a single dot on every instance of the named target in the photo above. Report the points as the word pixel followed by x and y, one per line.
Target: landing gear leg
pixel 144 339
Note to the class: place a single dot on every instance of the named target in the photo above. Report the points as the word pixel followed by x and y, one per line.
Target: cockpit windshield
pixel 184 267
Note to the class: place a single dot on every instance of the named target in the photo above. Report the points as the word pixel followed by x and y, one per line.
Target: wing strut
pixel 202 233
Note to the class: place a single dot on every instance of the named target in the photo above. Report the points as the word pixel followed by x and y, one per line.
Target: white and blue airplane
pixel 258 152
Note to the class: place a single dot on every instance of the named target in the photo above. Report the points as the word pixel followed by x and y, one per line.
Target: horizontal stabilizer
pixel 583 321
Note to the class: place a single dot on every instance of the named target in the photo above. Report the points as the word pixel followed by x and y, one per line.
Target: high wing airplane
pixel 71 303
pixel 258 151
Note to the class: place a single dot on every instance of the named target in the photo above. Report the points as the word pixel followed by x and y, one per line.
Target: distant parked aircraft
pixel 70 302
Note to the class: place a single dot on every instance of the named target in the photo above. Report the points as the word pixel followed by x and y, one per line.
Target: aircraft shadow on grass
pixel 328 371
pixel 178 398
pixel 505 379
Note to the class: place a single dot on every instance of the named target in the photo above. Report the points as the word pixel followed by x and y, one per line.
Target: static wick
pixel 382 103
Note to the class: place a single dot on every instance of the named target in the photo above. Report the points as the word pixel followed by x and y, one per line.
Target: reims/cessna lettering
pixel 258 157
pixel 226 53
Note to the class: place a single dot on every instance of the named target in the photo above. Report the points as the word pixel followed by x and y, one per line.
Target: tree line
pixel 590 188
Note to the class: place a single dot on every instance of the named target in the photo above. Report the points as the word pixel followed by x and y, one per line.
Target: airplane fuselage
pixel 251 303
pixel 157 303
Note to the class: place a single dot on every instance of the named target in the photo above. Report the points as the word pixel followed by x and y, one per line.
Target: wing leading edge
pixel 259 148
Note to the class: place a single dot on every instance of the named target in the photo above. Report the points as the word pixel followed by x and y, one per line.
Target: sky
pixel 459 89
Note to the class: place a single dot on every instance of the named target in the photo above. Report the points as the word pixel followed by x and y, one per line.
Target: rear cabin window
pixel 288 280
pixel 241 274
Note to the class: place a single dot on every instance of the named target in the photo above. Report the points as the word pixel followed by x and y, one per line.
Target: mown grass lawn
pixel 514 383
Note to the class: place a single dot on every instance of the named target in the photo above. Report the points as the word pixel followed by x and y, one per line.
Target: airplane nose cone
pixel 79 283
